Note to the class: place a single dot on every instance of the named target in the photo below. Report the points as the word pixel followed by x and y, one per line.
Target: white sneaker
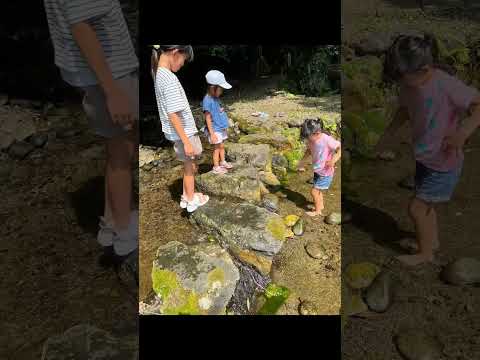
pixel 197 202
pixel 219 170
pixel 106 233
pixel 183 202
pixel 226 165
pixel 124 242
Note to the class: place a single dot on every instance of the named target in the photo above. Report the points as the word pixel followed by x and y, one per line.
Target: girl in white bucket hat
pixel 216 119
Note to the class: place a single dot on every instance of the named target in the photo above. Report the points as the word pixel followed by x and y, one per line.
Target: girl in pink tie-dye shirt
pixel 432 100
pixel 325 151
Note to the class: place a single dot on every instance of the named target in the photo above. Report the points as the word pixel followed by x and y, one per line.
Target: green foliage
pixel 308 74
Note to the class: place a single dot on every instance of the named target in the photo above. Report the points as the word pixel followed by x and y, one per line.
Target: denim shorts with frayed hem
pixel 434 186
pixel 321 182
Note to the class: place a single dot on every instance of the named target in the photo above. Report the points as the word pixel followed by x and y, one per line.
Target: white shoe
pixel 219 170
pixel 126 241
pixel 197 202
pixel 106 233
pixel 183 202
pixel 226 165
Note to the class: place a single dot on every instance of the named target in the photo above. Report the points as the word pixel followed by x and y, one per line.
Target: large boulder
pixel 193 280
pixel 89 343
pixel 258 156
pixel 240 182
pixel 278 141
pixel 251 233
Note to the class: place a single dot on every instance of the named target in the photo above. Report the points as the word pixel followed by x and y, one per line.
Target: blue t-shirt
pixel 219 116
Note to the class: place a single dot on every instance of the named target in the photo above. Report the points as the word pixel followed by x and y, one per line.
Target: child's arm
pixel 335 157
pixel 209 121
pixel 301 166
pixel 177 125
pixel 399 119
pixel 470 124
pixel 119 104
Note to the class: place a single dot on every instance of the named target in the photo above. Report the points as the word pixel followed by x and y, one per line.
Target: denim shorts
pixel 435 186
pixel 321 182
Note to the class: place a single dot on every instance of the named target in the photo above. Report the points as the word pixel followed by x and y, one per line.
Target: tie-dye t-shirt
pixel 322 151
pixel 434 110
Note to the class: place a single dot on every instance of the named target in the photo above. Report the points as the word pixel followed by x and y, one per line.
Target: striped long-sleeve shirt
pixel 171 99
pixel 108 22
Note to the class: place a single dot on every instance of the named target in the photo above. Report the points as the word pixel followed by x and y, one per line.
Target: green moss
pixel 293 157
pixel 216 274
pixel 188 307
pixel 164 282
pixel 275 296
pixel 176 300
pixel 244 126
pixel 277 228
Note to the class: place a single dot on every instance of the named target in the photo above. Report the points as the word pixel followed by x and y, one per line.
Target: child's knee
pixel 419 208
pixel 189 168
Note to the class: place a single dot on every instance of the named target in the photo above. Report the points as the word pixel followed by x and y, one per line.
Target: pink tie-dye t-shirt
pixel 434 110
pixel 322 151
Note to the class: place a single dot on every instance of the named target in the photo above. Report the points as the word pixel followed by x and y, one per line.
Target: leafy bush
pixel 308 74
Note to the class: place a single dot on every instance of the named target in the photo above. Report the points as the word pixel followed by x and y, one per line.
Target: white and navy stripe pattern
pixel 171 98
pixel 108 22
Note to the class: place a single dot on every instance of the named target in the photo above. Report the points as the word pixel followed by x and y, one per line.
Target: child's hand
pixel 120 108
pixel 188 148
pixel 214 138
pixel 329 164
pixel 454 143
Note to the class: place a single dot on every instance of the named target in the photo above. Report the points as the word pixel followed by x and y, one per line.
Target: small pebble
pixel 307 307
pixel 387 155
pixel 334 219
pixel 20 149
pixel 316 250
pixel 39 139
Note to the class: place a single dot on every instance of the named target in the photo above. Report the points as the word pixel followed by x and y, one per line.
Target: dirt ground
pixel 162 220
pixel 49 211
pixel 422 301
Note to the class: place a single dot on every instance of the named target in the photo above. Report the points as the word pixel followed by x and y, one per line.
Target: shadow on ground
pixel 382 227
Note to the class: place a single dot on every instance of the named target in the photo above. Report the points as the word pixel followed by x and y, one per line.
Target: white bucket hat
pixel 215 77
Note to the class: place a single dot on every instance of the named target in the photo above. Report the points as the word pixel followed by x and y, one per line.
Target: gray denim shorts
pixel 180 150
pixel 95 106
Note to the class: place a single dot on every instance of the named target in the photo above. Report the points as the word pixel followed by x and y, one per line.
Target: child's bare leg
pixel 318 201
pixel 119 179
pixel 216 155
pixel 189 179
pixel 222 153
pixel 435 241
pixel 424 216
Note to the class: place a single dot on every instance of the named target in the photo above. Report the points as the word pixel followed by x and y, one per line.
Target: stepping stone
pixel 416 345
pixel 241 182
pixel 243 227
pixel 193 280
pixel 258 156
pixel 464 271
